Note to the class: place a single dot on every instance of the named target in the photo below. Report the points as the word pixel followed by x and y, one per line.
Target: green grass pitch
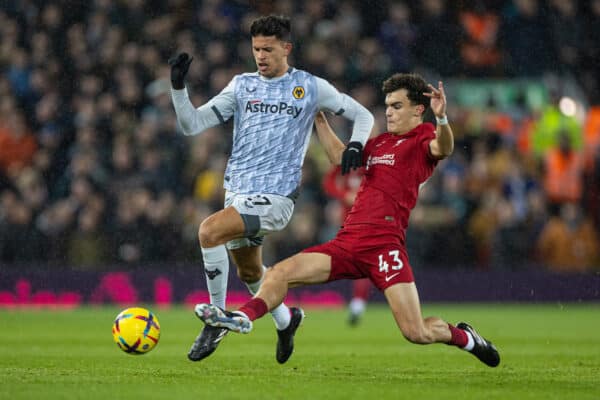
pixel 548 351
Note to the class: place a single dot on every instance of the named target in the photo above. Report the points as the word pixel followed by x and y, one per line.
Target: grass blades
pixel 548 352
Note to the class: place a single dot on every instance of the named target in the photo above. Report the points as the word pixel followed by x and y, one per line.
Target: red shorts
pixel 356 254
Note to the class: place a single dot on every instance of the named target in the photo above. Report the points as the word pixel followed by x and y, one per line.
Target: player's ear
pixel 287 46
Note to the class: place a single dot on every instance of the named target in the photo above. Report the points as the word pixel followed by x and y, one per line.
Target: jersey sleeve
pixel 425 138
pixel 367 150
pixel 216 111
pixel 330 99
pixel 330 183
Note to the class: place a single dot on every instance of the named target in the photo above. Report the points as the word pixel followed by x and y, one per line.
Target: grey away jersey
pixel 273 121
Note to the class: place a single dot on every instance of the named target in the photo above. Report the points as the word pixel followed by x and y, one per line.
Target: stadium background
pixel 100 193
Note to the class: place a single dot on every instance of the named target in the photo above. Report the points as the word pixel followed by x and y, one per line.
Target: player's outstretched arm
pixel 195 120
pixel 330 99
pixel 331 143
pixel 341 104
pixel 443 145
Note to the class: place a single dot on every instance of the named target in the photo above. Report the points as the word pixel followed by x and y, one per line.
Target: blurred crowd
pixel 94 172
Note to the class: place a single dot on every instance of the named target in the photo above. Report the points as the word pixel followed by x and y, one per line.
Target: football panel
pixel 136 330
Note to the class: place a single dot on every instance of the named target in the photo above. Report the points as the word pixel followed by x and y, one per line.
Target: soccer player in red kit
pixel 372 241
pixel 344 188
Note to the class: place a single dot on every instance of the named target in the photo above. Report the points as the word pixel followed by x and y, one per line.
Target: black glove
pixel 179 67
pixel 352 157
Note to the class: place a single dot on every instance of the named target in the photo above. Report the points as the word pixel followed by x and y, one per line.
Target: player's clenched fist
pixel 179 68
pixel 352 157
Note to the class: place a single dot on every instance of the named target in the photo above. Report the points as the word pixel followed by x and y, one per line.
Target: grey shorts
pixel 262 214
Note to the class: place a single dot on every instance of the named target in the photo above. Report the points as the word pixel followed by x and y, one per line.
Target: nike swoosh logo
pixel 221 336
pixel 387 278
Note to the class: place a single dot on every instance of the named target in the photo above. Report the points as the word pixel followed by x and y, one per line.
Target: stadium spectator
pixel 98 67
pixel 344 188
pixel 130 241
pixel 371 243
pixel 524 34
pixel 368 63
pixel 20 242
pixel 592 185
pixel 550 124
pixel 261 185
pixel 563 173
pixel 590 63
pixel 88 246
pixel 484 193
pixel 511 242
pixel 398 36
pixel 567 32
pixel 482 225
pixel 32 188
pixel 569 242
pixel 479 47
pixel 56 222
pixel 433 220
pixel 437 48
pixel 17 144
pixel 591 138
pixel 122 166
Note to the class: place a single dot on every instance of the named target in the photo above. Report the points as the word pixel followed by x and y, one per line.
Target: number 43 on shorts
pixel 393 257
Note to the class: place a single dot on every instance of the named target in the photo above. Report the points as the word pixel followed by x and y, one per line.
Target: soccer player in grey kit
pixel 273 111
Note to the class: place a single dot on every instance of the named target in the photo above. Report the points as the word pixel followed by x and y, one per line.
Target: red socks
pixel 361 288
pixel 255 308
pixel 459 337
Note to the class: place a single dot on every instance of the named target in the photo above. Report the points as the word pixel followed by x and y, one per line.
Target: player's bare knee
pixel 276 274
pixel 208 234
pixel 249 274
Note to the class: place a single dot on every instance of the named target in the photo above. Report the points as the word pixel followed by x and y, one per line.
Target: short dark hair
pixel 414 84
pixel 279 26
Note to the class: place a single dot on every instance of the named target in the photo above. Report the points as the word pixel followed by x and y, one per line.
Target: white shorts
pixel 262 214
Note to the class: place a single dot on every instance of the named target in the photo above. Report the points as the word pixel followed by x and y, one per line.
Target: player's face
pixel 270 55
pixel 401 115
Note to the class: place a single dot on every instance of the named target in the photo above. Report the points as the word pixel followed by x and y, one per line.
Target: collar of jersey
pixel 289 71
pixel 417 129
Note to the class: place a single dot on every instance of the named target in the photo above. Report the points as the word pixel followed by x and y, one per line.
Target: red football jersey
pixel 395 167
pixel 341 186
